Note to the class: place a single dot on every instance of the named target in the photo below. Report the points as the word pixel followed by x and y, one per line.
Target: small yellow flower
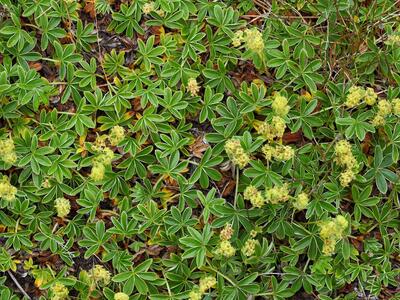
pixel 100 275
pixel 280 105
pixel 254 40
pixel 344 155
pixel 346 177
pixel 370 96
pixel 277 194
pixel 225 249
pixel 301 201
pixel 384 108
pixel 195 295
pixel 331 231
pixel 226 233
pixel 393 40
pixel 98 171
pixel 254 196
pixel 238 38
pixel 7 191
pixel 193 87
pixel 236 153
pixel 148 7
pixel 116 135
pixel 121 296
pixel 62 206
pixel 7 151
pixel 207 283
pixel 249 247
pixel 59 291
pixel 355 95
pixel 396 106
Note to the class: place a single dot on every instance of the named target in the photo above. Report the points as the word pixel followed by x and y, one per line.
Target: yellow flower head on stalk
pixel 331 231
pixel 278 126
pixel 249 247
pixel 193 87
pixel 393 40
pixel 346 177
pixel 344 155
pixel 238 38
pixel 370 96
pixel 7 191
pixel 354 97
pixel 195 295
pixel 121 296
pixel 277 194
pixel 207 283
pixel 225 249
pixel 384 107
pixel 59 291
pixel 63 207
pixel 148 7
pixel 301 201
pixel 226 233
pixel 396 106
pixel 278 152
pixel 117 135
pixel 100 275
pixel 7 151
pixel 236 153
pixel 280 105
pixel 254 40
pixel 98 171
pixel 255 197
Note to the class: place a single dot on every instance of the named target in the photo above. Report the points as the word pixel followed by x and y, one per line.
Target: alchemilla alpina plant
pixel 196 149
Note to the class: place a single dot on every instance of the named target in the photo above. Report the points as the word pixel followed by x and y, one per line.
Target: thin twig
pixel 18 285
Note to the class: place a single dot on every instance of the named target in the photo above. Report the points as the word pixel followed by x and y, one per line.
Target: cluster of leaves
pixel 72 70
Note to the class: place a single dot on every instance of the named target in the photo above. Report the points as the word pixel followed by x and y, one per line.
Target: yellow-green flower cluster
pixel 117 135
pixel 148 7
pixel 384 109
pixel 277 194
pixel 238 38
pixel 7 191
pixel 253 40
pixel 396 106
pixel 59 291
pixel 301 201
pixel 99 163
pixel 226 233
pixel 121 296
pixel 7 151
pixel 205 284
pixel 272 130
pixel 393 40
pixel 370 96
pixel 278 152
pixel 354 97
pixel 225 247
pixel 345 158
pixel 100 275
pixel 193 87
pixel 255 197
pixel 357 94
pixel 62 206
pixel 331 231
pixel 249 247
pixel 280 105
pixel 236 153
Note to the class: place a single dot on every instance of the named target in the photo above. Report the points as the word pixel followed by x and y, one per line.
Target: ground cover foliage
pixel 194 149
